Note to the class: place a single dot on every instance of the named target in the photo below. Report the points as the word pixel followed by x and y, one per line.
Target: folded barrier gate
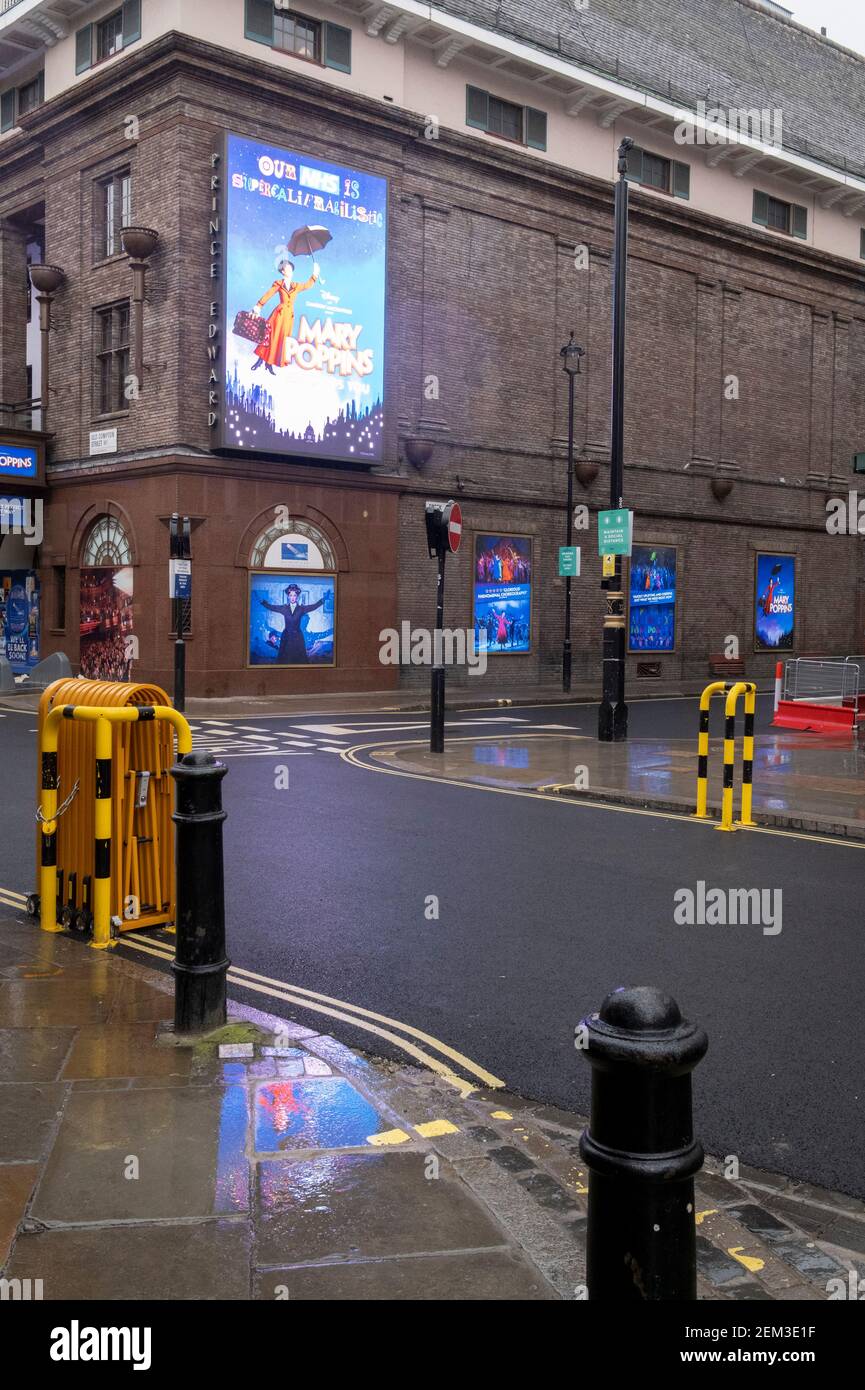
pixel 105 859
pixel 733 692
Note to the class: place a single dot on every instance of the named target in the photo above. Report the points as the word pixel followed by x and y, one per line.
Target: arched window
pixel 107 544
pixel 297 545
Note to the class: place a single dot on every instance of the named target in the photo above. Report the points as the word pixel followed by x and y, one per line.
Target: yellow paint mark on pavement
pixel 700 1216
pixel 754 1265
pixel 433 1128
pixel 390 1136
pixel 501 1115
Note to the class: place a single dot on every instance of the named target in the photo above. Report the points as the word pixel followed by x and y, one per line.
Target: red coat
pixel 280 325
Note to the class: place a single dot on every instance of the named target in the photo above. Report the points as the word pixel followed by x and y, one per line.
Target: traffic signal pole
pixel 180 549
pixel 444 524
pixel 437 688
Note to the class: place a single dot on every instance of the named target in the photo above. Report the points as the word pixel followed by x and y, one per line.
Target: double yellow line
pixel 382 1026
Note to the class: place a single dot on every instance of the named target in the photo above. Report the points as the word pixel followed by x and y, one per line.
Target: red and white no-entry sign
pixel 453 518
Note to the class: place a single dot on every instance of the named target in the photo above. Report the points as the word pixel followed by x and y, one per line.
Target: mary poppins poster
pixel 304 297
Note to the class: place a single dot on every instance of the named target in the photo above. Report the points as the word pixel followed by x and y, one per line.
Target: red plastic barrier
pixel 827 719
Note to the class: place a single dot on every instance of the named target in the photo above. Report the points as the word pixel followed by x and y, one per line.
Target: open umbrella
pixel 305 241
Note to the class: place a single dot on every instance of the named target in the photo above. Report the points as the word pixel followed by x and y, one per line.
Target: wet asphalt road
pixel 545 905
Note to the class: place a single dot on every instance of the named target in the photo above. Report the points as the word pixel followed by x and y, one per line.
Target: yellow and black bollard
pixel 703 747
pixel 733 692
pixel 748 690
pixel 748 755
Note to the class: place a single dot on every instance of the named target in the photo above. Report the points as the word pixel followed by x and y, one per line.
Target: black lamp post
pixel 613 712
pixel 570 355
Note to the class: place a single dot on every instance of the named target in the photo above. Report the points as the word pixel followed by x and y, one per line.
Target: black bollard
pixel 200 961
pixel 640 1149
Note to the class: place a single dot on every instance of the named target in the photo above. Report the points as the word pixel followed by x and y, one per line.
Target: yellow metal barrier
pixel 733 692
pixel 113 852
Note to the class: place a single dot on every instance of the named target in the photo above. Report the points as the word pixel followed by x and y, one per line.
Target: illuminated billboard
pixel 775 606
pixel 652 608
pixel 292 619
pixel 303 305
pixel 503 594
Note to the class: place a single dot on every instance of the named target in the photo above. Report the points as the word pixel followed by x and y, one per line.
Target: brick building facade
pixel 745 377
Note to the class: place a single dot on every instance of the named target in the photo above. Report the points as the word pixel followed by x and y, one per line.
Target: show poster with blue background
pixel 292 619
pixel 652 609
pixel 775 612
pixel 503 594
pixel 20 619
pixel 315 383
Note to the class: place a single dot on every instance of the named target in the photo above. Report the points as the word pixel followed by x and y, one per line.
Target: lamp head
pixel 570 355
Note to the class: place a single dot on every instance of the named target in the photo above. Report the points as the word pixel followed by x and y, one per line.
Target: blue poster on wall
pixel 775 611
pixel 20 620
pixel 305 257
pixel 503 594
pixel 292 619
pixel 652 607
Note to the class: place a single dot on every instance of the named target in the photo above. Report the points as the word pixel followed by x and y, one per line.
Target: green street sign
pixel 615 532
pixel 569 560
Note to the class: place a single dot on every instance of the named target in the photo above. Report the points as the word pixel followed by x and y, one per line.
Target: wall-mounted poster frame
pixel 650 592
pixel 774 604
pixel 302 641
pixel 502 592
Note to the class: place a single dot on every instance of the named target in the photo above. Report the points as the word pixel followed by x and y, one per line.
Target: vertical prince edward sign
pixel 305 255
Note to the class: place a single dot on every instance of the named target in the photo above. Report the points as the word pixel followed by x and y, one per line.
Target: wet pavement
pixel 270 1161
pixel 802 781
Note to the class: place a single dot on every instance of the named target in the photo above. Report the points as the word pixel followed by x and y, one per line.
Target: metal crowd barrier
pixel 115 878
pixel 825 682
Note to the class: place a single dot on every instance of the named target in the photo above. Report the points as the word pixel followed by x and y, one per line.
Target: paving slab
pixel 29 1112
pixel 189 1260
pixel 17 1181
pixel 463 1278
pixel 364 1204
pixel 33 1054
pixel 188 1143
pixel 124 1050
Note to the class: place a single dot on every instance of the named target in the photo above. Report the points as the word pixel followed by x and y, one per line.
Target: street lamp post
pixel 613 712
pixel 570 355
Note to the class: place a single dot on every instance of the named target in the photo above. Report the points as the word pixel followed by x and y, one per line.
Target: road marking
pixel 349 756
pixel 749 1261
pixel 245 978
pixel 389 1137
pixel 432 1129
pixel 350 1013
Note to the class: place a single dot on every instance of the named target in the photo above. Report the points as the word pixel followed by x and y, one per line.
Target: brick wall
pixel 486 280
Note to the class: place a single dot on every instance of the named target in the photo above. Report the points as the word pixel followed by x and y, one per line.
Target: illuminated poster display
pixel 652 608
pixel 304 304
pixel 775 607
pixel 20 622
pixel 503 594
pixel 292 619
pixel 105 622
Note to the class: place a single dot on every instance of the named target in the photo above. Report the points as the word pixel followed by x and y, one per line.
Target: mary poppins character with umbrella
pixel 273 348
